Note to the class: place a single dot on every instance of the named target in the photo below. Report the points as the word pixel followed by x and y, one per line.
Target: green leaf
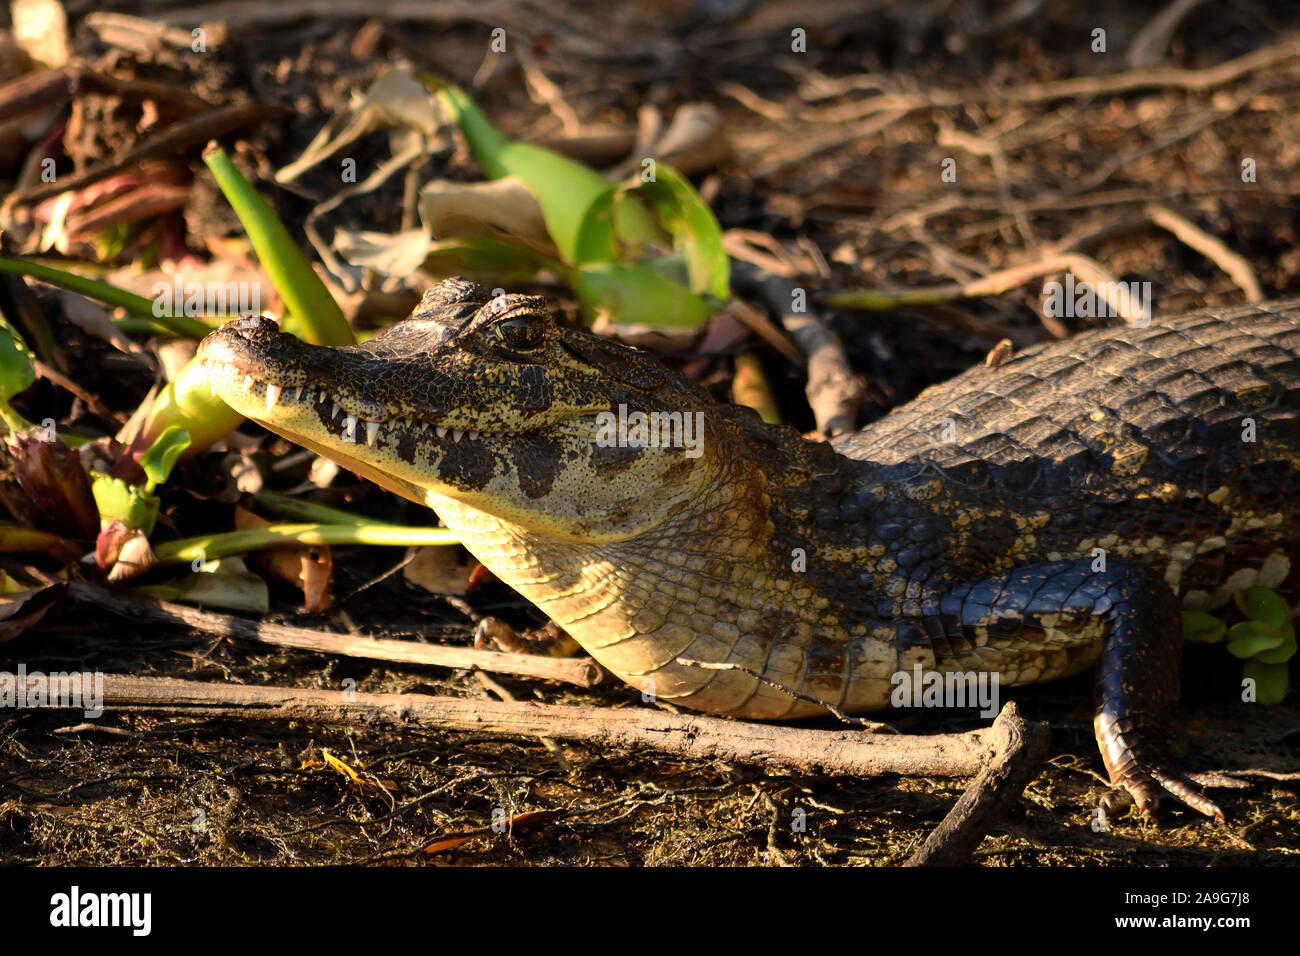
pixel 594 237
pixel 1202 628
pixel 1263 604
pixel 225 583
pixel 697 237
pixel 108 294
pixel 116 499
pixel 1283 652
pixel 564 189
pixel 1248 638
pixel 508 262
pixel 313 315
pixel 638 295
pixel 1270 680
pixel 157 462
pixel 17 368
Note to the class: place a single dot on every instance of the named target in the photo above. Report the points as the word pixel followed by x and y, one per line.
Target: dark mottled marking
pixel 611 460
pixel 467 466
pixel 406 445
pixel 539 463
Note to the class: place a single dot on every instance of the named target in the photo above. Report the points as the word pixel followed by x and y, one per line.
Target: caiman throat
pixel 1030 521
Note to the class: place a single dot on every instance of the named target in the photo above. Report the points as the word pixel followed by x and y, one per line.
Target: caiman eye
pixel 520 334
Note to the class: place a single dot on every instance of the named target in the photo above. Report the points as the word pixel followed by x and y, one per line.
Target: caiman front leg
pixel 1070 607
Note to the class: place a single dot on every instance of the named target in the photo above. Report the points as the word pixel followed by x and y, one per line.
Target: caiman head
pixel 485 402
pixel 645 538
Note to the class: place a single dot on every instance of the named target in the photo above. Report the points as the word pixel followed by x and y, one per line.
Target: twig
pixel 45 87
pixel 833 751
pixel 92 400
pixel 767 330
pixel 176 138
pixel 833 389
pixel 583 672
pixel 1152 41
pixel 1016 751
pixel 1089 86
pixel 543 91
pixel 995 283
pixel 1213 248
pixel 237 14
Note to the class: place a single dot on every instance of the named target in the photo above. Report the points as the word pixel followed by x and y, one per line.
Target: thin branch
pixel 850 752
pixel 1016 751
pixel 580 671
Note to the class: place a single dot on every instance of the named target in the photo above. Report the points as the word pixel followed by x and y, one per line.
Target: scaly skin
pixel 1031 520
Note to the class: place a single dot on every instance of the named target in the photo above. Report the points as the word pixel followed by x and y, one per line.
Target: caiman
pixel 1029 520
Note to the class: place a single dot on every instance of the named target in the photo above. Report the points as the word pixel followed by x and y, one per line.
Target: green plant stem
pixel 136 305
pixel 291 535
pixel 290 507
pixel 313 314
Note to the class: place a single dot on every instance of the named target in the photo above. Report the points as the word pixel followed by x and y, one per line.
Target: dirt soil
pixel 850 185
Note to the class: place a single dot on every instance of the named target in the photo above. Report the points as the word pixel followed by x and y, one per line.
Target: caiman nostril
pixel 253 322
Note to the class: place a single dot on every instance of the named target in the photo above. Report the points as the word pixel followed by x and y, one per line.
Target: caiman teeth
pixel 272 396
pixel 248 383
pixel 338 408
pixel 456 434
pixel 349 428
pixel 473 436
pixel 372 432
pixel 442 432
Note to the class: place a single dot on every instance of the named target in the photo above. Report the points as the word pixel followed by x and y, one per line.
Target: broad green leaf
pixel 1202 628
pixel 225 583
pixel 565 189
pixel 507 262
pixel 697 237
pixel 638 295
pixel 17 371
pixel 157 462
pixel 1263 604
pixel 1270 680
pixel 1283 652
pixel 1248 638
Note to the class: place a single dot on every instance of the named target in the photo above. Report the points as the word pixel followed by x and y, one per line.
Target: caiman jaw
pixel 317 414
pixel 476 400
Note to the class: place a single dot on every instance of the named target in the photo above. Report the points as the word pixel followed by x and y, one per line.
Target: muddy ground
pixel 819 167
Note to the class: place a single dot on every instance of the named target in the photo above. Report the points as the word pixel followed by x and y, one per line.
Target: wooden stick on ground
pixel 833 389
pixel 1016 751
pixel 1236 265
pixel 581 671
pixel 849 752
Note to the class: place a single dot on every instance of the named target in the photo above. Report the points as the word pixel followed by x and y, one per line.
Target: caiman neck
pixel 742 560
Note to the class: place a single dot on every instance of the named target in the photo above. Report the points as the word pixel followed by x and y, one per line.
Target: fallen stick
pixel 1237 266
pixel 1016 751
pixel 995 283
pixel 175 139
pixel 833 390
pixel 581 671
pixel 850 752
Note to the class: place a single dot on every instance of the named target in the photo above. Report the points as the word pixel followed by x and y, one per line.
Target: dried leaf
pixel 22 610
